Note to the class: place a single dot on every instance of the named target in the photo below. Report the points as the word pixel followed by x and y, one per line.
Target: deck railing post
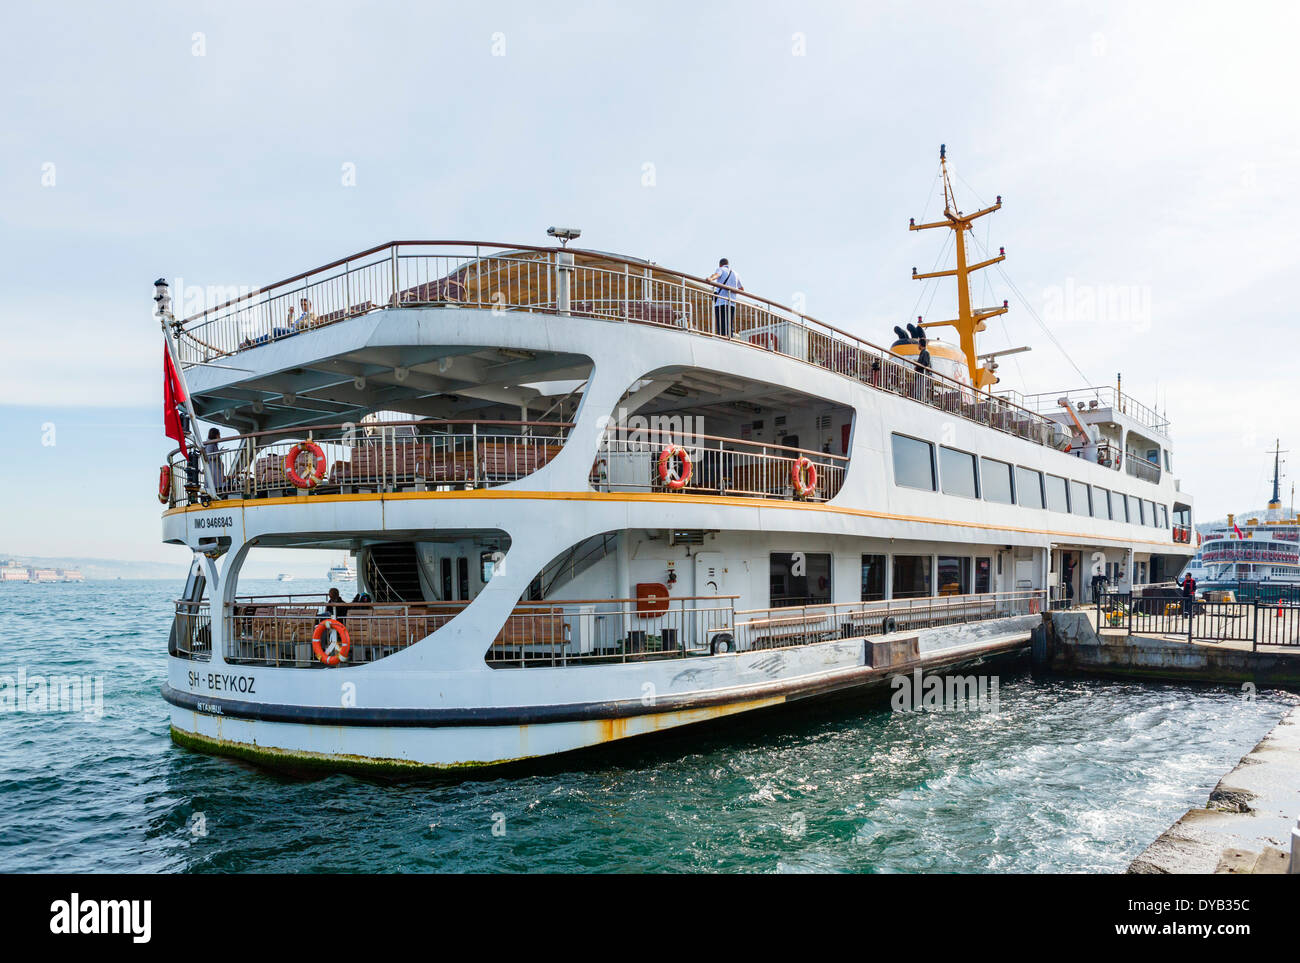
pixel 563 281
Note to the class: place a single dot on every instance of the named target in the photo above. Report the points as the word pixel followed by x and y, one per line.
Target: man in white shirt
pixel 724 300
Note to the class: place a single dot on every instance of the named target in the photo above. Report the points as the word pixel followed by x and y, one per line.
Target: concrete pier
pixel 1068 642
pixel 1248 825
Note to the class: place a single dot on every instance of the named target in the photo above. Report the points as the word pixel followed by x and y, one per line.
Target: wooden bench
pixel 774 631
pixel 538 627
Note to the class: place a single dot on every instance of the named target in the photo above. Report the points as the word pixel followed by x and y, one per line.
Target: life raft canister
pixel 315 473
pixel 803 475
pixel 164 484
pixel 675 481
pixel 336 652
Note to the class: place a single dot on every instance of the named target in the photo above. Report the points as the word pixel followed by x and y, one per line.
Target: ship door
pixel 710 583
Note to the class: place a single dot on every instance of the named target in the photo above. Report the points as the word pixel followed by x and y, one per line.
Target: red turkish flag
pixel 173 395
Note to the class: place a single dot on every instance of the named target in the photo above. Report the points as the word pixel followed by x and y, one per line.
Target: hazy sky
pixel 1143 151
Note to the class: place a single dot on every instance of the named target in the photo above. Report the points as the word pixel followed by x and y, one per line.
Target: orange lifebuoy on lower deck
pixel 315 473
pixel 803 475
pixel 336 652
pixel 673 480
pixel 164 484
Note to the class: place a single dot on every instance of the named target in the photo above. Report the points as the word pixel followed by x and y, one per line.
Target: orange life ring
pixel 803 475
pixel 315 472
pixel 674 482
pixel 330 656
pixel 164 484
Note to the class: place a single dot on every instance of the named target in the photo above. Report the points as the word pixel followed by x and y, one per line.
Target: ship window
pixel 1149 513
pixel 1079 503
pixel 800 578
pixel 954 575
pixel 873 578
pixel 983 575
pixel 1057 500
pixel 1134 510
pixel 487 566
pixel 1029 487
pixel 995 481
pixel 447 595
pixel 1164 516
pixel 1100 502
pixel 462 577
pixel 913 463
pixel 911 576
pixel 957 473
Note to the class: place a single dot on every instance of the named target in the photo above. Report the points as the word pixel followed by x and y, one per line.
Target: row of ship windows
pixel 957 472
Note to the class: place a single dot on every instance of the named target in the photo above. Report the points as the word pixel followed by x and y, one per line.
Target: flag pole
pixel 166 318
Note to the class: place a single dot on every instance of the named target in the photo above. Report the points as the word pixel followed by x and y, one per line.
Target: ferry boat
pixel 1257 557
pixel 284 577
pixel 342 572
pixel 71 575
pixel 619 499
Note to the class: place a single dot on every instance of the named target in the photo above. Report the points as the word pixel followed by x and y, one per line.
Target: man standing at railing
pixel 724 300
pixel 212 455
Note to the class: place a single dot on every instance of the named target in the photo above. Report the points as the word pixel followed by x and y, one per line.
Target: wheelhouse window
pixel 873 578
pixel 911 576
pixel 995 481
pixel 1029 487
pixel 1057 499
pixel 1100 502
pixel 957 473
pixel 1164 516
pixel 1149 509
pixel 983 575
pixel 1134 509
pixel 1079 504
pixel 954 575
pixel 800 578
pixel 913 463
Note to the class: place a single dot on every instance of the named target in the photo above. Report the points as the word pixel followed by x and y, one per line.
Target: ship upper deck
pixel 523 279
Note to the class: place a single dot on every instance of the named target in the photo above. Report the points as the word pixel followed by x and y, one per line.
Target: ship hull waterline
pixel 451 741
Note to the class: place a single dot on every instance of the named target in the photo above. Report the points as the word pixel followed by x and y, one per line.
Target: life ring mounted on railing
pixel 803 476
pixel 315 473
pixel 336 651
pixel 670 476
pixel 165 484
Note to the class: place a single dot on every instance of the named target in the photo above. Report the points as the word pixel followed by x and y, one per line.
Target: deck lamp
pixel 564 234
pixel 162 298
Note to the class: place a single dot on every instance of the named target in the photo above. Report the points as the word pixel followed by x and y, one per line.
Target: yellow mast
pixel 968 321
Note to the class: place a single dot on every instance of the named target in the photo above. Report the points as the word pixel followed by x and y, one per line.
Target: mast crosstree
pixel 969 321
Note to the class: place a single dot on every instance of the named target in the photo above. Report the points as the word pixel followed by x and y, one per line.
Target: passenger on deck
pixel 212 455
pixel 724 300
pixel 306 317
pixel 922 365
pixel 335 605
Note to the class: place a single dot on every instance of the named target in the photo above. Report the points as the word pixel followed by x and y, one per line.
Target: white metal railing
pixel 192 631
pixel 1099 396
pixel 798 625
pixel 1139 467
pixel 629 460
pixel 526 279
pixel 277 630
pixel 382 456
